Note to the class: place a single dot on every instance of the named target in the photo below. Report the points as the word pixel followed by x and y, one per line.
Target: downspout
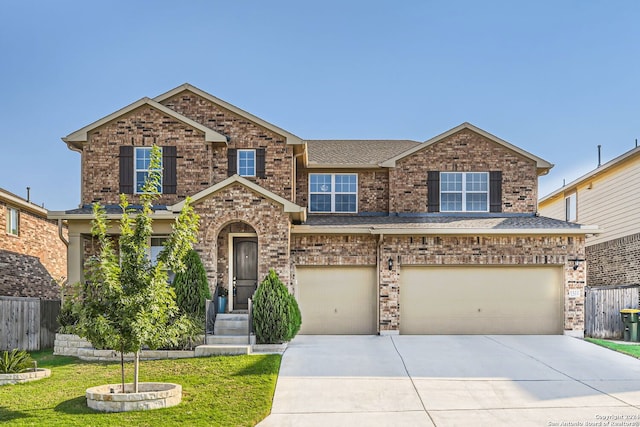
pixel 65 241
pixel 379 265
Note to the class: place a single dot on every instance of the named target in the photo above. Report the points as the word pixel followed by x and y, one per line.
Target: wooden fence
pixel 27 323
pixel 602 309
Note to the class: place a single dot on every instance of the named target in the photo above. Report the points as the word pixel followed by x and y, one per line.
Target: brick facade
pixel 464 151
pixel 614 262
pixel 38 237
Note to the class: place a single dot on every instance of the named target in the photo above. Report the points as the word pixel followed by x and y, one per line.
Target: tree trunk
pixel 122 366
pixel 136 363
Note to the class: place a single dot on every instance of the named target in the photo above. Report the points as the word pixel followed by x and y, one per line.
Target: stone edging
pixel 24 377
pixel 109 398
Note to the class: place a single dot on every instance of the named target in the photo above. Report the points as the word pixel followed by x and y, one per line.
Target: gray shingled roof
pixel 355 152
pixel 25 276
pixel 111 209
pixel 491 222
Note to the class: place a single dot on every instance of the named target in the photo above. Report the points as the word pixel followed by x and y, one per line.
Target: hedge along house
pixel 371 236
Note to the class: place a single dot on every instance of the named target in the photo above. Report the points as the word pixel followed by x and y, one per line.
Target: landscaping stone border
pixel 24 377
pixel 109 398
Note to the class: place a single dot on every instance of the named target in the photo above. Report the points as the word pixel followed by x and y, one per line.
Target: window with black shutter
pixel 495 191
pixel 433 191
pixel 126 169
pixel 169 172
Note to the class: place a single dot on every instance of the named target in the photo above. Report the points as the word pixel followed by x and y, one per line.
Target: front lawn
pixel 216 391
pixel 630 349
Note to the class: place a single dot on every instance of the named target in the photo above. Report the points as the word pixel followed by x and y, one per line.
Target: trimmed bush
pixel 191 286
pixel 276 316
pixel 15 361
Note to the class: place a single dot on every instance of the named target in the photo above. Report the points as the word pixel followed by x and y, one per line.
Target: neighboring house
pixel 610 197
pixel 33 258
pixel 371 236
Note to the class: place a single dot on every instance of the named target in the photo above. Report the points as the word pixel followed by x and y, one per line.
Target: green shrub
pixel 68 317
pixel 276 316
pixel 191 286
pixel 15 361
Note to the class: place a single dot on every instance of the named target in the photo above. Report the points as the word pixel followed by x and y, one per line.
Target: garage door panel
pixel 481 300
pixel 337 300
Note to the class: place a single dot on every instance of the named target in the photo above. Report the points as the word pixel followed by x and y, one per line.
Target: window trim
pixel 464 192
pixel 136 170
pixel 10 211
pixel 571 201
pixel 255 162
pixel 333 193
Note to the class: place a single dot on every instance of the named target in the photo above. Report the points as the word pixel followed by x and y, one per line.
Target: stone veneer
pixel 615 262
pixel 446 250
pixel 464 151
pixel 109 397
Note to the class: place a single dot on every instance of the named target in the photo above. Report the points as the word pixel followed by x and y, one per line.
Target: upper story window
pixel 571 208
pixel 247 162
pixel 333 192
pixel 142 163
pixel 13 221
pixel 464 192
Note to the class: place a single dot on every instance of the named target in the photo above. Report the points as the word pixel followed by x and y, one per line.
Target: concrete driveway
pixel 454 381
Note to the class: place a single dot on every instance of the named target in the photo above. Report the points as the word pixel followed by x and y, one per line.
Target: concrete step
pixel 222 330
pixel 229 339
pixel 232 316
pixel 221 349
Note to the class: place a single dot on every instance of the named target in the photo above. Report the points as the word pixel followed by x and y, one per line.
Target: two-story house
pixel 33 256
pixel 607 196
pixel 371 236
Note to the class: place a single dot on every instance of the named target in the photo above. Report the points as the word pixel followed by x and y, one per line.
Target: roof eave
pixel 309 229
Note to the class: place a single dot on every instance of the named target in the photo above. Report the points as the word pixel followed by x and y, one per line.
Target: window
pixel 333 192
pixel 157 245
pixel 247 162
pixel 571 208
pixel 464 191
pixel 13 221
pixel 142 162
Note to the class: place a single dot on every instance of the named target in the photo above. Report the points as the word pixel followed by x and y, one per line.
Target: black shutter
pixel 169 173
pixel 260 163
pixel 232 157
pixel 126 169
pixel 433 191
pixel 495 191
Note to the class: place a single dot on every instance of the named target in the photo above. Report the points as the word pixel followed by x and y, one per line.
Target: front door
pixel 245 270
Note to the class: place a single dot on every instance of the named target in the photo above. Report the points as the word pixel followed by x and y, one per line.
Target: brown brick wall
pixel 615 262
pixel 373 188
pixel 38 237
pixel 464 151
pixel 144 127
pixel 247 211
pixel 242 134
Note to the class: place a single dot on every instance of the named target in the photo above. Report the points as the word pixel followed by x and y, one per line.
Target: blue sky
pixel 555 78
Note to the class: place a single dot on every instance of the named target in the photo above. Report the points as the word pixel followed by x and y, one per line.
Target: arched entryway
pixel 238 263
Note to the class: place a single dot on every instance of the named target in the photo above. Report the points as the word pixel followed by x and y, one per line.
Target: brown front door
pixel 245 270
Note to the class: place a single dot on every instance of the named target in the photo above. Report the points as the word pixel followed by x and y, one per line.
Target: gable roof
pixel 298 212
pixel 291 138
pixel 629 155
pixel 76 139
pixel 354 153
pixel 542 165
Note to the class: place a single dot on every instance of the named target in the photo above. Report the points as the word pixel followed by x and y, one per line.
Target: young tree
pixel 128 302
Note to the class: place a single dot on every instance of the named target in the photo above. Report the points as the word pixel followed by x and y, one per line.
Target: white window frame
pixel 255 159
pixel 13 219
pixel 136 169
pixel 333 192
pixel 464 191
pixel 571 207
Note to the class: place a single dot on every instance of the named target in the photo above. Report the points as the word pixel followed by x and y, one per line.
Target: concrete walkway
pixel 454 381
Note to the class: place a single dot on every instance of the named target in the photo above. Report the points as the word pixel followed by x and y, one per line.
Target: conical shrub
pixel 191 286
pixel 276 316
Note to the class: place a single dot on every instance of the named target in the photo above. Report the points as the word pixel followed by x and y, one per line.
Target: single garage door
pixel 337 300
pixel 481 300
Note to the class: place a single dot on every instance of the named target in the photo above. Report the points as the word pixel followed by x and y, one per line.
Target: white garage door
pixel 337 300
pixel 481 300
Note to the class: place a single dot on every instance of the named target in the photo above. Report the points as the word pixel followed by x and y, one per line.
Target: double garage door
pixel 435 300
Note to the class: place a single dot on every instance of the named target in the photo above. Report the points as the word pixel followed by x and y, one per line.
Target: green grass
pixel 630 349
pixel 216 391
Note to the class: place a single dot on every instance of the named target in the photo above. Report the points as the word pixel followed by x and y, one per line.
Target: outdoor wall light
pixel 576 262
pixel 390 264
